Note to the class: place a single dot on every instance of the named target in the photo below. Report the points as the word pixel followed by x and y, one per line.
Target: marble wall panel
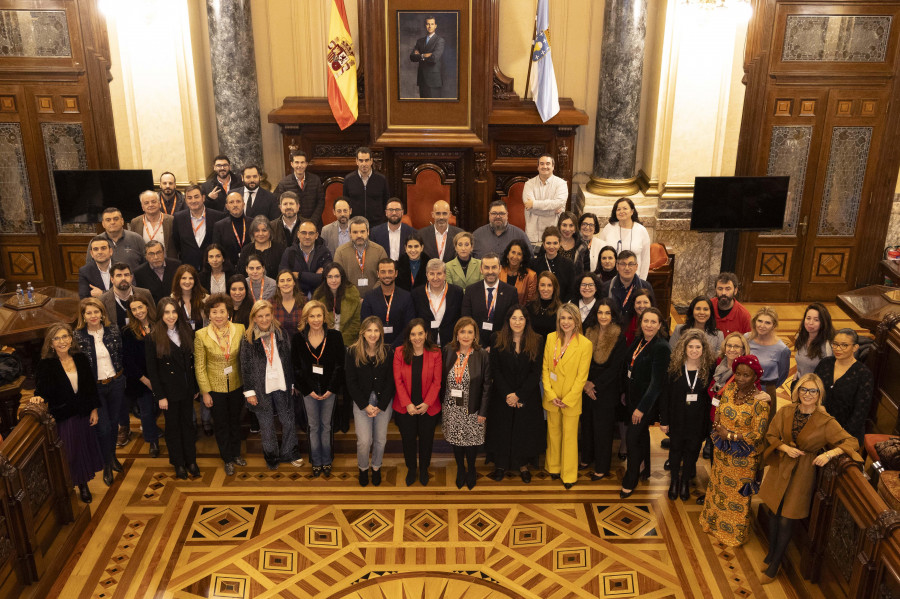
pixel 698 257
pixel 893 232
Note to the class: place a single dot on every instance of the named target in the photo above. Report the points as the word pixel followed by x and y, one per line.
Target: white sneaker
pixel 298 463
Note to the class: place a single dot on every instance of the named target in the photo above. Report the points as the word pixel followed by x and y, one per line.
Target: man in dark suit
pixel 389 303
pixel 438 303
pixel 256 199
pixel 94 277
pixel 393 234
pixel 307 186
pixel 438 237
pixel 489 300
pixel 156 274
pixel 284 228
pixel 170 199
pixel 428 52
pixel 192 230
pixel 366 190
pixel 232 233
pixel 220 184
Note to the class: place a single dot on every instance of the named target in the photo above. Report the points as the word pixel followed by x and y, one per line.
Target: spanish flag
pixel 341 61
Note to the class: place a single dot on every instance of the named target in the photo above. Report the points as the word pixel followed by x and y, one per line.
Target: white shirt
pixel 636 239
pixel 364 179
pixel 199 233
pixel 585 309
pixel 217 286
pixel 105 368
pixel 435 300
pixel 343 235
pixel 549 201
pixel 173 335
pixel 104 274
pixel 394 239
pixel 73 379
pixel 157 232
pixel 440 241
pixel 247 193
pixel 274 372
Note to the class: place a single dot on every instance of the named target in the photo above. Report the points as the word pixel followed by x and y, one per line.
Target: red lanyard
pixel 557 356
pixel 270 349
pixel 226 349
pixel 388 303
pixel 162 203
pixel 641 345
pixel 309 347
pixel 202 222
pixel 151 231
pixel 459 369
pixel 243 236
pixel 443 243
pixel 441 303
pixel 627 295
pixel 262 289
pixel 361 261
pixel 490 307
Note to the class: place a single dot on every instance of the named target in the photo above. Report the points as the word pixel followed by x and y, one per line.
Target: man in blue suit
pixel 393 234
pixel 427 52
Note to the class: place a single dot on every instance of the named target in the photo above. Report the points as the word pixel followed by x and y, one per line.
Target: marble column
pixel 618 107
pixel 234 82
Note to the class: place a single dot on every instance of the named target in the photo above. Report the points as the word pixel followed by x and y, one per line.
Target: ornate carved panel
pixel 64 147
pixel 807 108
pixel 830 264
pixel 844 180
pixel 789 155
pixel 783 107
pixel 773 263
pixel 336 150
pixel 6 545
pixel 37 481
pixel 8 104
pixel 842 540
pixel 73 258
pixel 44 104
pixel 23 262
pixel 34 34
pixel 836 38
pixel 70 105
pixel 507 150
pixel 16 214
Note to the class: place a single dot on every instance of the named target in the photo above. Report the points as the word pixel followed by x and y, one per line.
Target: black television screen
pixel 82 195
pixel 739 203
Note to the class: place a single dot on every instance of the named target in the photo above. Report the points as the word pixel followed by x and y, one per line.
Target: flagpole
pixel 530 60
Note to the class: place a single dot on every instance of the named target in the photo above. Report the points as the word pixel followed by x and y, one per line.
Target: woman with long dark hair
pixel 216 269
pixel 240 301
pixel 643 300
pixel 570 244
pixel 625 232
pixel 542 310
pixel 589 254
pixel 700 316
pixel 190 295
pixel 586 299
pixel 514 270
pixel 64 380
pixel 516 434
pixel 341 300
pixel 169 351
pixel 138 387
pixel 287 303
pixel 813 339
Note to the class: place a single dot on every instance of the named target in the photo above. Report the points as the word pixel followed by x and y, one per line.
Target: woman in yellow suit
pixel 567 359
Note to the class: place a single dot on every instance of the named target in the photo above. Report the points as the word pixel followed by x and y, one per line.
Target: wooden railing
pixel 853 549
pixel 37 501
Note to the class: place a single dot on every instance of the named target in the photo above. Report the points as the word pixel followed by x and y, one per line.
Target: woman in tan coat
pixel 796 436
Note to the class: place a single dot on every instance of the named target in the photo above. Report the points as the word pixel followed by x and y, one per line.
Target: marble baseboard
pixel 893 232
pixel 698 258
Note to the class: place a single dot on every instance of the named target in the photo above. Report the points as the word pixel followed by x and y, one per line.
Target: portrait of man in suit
pixel 428 59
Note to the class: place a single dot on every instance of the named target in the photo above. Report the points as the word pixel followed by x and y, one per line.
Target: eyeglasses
pixel 627 264
pixel 494 213
pixel 842 345
pixel 807 391
pixel 64 337
pixel 394 209
pixel 733 346
pixel 587 285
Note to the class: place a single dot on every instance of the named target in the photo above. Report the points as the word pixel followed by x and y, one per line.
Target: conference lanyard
pixel 443 243
pixel 687 377
pixel 270 349
pixel 361 260
pixel 202 222
pixel 243 236
pixel 641 345
pixel 490 307
pixel 627 295
pixel 162 203
pixel 151 232
pixel 441 303
pixel 557 356
pixel 388 302
pixel 262 289
pixel 309 347
pixel 459 369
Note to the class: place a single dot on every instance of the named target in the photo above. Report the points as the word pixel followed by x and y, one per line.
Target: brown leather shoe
pixel 124 436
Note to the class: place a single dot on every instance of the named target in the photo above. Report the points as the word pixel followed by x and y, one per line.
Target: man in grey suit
pixel 153 224
pixel 438 237
pixel 427 52
pixel 337 233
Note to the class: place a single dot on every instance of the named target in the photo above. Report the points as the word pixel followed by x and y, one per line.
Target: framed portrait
pixel 428 53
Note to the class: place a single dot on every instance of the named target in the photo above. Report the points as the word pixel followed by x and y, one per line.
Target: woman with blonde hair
pixel 796 438
pixel 370 386
pixel 683 406
pixel 101 341
pixel 774 356
pixel 268 384
pixel 63 379
pixel 567 361
pixel 318 360
pixel 464 270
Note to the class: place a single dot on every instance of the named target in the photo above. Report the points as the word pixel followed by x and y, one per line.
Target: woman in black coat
pixel 516 432
pixel 683 408
pixel 603 390
pixel 169 352
pixel 65 381
pixel 411 265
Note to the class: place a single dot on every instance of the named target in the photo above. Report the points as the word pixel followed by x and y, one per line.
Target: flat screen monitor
pixel 83 195
pixel 739 203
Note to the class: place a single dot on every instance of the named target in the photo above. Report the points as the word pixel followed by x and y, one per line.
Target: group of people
pixel 523 342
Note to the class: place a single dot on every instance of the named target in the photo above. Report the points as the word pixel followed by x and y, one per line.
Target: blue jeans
pixel 149 413
pixel 111 397
pixel 371 433
pixel 318 415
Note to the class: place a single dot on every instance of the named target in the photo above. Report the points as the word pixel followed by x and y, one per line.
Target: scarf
pixel 605 342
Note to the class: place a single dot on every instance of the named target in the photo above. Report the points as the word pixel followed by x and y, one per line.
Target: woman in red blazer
pixel 417 378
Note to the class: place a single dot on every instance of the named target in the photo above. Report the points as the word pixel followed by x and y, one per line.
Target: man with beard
pixel 192 231
pixel 393 234
pixel 731 316
pixel 153 224
pixel 360 257
pixel 284 228
pixel 220 183
pixel 306 259
pixel 388 302
pixel 337 233
pixel 170 199
pixel 489 300
pixel 366 190
pixel 493 237
pixel 156 274
pixel 438 237
pixel 307 186
pixel 116 298
pixel 256 199
pixel 233 232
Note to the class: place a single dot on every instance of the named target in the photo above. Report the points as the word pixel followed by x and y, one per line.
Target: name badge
pixel 435 324
pixel 487 326
pixel 318 370
pixel 127 320
pixel 455 392
pixel 552 376
pixel 388 330
pixel 272 376
pixel 629 373
pixel 715 403
pixel 691 397
pixel 362 282
pixel 227 370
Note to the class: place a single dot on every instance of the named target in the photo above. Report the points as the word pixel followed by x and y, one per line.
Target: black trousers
pixel 637 439
pixel 226 412
pixel 602 427
pixel 683 455
pixel 417 435
pixel 180 433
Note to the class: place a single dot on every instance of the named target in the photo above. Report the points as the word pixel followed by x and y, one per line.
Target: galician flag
pixel 543 84
pixel 342 95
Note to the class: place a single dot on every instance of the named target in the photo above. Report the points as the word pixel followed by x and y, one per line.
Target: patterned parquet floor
pixel 262 534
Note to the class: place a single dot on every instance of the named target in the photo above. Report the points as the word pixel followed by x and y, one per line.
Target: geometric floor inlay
pixel 217 523
pixel 619 584
pixel 632 520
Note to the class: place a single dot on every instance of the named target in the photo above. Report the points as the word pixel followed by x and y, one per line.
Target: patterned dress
pixel 732 483
pixel 460 428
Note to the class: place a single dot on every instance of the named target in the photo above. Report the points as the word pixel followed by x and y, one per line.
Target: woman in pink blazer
pixel 417 378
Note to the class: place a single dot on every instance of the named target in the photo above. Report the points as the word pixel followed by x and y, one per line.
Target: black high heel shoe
pixel 85 493
pixel 673 488
pixel 685 491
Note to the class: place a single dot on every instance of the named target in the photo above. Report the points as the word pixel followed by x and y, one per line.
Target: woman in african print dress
pixel 739 437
